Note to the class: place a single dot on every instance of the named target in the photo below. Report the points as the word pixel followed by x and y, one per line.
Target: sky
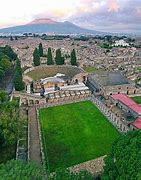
pixel 102 15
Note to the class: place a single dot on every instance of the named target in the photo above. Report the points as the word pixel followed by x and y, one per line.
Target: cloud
pixel 113 6
pixel 103 15
pixel 112 16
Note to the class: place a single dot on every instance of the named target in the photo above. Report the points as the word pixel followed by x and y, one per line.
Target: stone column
pixel 28 89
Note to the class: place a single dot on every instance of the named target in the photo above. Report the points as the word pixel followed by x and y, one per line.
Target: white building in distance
pixel 121 43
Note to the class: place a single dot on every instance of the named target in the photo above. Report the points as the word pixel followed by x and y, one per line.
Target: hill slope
pixel 49 26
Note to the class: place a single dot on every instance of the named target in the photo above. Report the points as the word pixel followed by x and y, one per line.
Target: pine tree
pixel 59 59
pixel 49 57
pixel 40 50
pixel 73 58
pixel 18 79
pixel 36 57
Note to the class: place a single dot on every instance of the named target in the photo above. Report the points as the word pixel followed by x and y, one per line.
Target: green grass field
pixel 49 71
pixel 75 133
pixel 90 69
pixel 137 99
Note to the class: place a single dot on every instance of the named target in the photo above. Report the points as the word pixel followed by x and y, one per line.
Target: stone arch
pixel 37 102
pixel 24 101
pixel 84 78
pixel 76 81
pixel 31 102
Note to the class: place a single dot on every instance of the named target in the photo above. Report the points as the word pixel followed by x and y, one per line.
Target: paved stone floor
pixel 34 142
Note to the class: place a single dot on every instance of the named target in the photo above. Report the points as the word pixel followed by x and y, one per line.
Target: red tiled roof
pixel 137 123
pixel 128 102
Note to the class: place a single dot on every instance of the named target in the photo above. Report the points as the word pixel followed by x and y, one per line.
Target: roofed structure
pixel 127 101
pixel 109 78
pixel 137 124
pixel 109 83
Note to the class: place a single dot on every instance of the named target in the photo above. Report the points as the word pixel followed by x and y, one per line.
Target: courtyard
pixel 75 133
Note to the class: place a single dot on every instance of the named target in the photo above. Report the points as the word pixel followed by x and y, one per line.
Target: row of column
pixel 115 120
pixel 67 98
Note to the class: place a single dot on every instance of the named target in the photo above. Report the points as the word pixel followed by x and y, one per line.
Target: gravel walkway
pixel 34 142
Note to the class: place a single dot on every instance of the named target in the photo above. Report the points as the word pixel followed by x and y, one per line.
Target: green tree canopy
pixel 73 58
pixel 40 50
pixel 10 123
pixel 2 73
pixel 18 79
pixel 59 59
pixel 3 96
pixel 65 174
pixel 124 159
pixel 10 53
pixel 16 169
pixel 5 65
pixel 49 57
pixel 36 57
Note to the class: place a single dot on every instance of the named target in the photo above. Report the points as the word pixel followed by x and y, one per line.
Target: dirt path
pixel 34 142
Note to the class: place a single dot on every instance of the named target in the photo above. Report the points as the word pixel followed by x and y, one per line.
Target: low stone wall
pixel 95 166
pixel 63 102
pixel 43 160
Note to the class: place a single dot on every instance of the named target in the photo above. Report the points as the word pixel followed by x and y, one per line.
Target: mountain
pixel 42 21
pixel 49 26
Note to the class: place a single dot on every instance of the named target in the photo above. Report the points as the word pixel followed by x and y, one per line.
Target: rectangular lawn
pixel 75 133
pixel 137 99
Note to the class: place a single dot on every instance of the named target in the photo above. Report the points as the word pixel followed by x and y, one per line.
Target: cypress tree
pixel 59 59
pixel 18 79
pixel 36 57
pixel 49 57
pixel 73 58
pixel 40 50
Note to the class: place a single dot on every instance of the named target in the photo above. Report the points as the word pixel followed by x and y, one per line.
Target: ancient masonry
pixel 33 103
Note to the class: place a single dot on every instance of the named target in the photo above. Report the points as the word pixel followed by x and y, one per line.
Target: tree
pixel 73 58
pixel 49 57
pixel 59 59
pixel 2 73
pixel 5 64
pixel 36 57
pixel 18 79
pixel 3 97
pixel 124 159
pixel 11 38
pixel 65 174
pixel 16 169
pixel 16 38
pixel 10 53
pixel 40 50
pixel 10 123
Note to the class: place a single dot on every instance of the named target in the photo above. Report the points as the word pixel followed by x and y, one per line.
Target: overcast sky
pixel 102 15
